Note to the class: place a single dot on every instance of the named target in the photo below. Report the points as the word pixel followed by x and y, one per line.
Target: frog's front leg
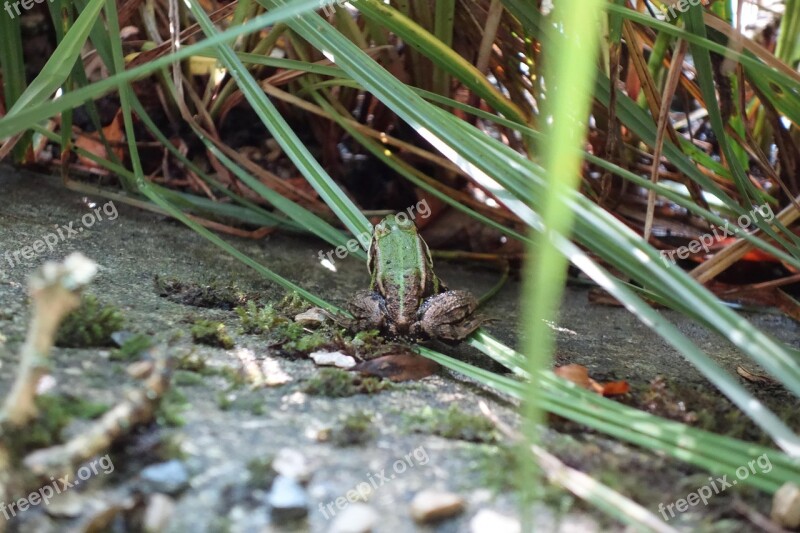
pixel 369 311
pixel 447 316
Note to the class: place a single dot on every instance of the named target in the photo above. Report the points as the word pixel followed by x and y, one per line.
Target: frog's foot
pixel 447 316
pixel 369 311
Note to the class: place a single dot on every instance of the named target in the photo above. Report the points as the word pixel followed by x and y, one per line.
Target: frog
pixel 405 297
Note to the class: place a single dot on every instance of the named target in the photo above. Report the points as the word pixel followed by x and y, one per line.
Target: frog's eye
pixel 403 222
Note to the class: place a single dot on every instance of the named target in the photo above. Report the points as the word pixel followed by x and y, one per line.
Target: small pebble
pixel 355 518
pixel 432 505
pixel 786 506
pixel 488 521
pixel 160 509
pixel 313 317
pixel 170 477
pixel 337 359
pixel 288 500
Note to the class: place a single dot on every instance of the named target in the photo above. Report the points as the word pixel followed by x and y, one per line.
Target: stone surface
pixel 218 444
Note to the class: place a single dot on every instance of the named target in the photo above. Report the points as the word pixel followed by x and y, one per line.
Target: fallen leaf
pixel 91 142
pixel 615 388
pixel 399 367
pixel 579 375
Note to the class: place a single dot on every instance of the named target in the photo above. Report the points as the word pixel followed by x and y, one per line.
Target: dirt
pixel 225 429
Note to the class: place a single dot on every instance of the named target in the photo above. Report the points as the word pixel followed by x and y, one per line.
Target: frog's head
pixel 392 223
pixel 398 228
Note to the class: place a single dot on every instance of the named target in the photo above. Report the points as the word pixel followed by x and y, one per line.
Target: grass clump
pixel 336 383
pixel 453 423
pixel 90 325
pixel 212 334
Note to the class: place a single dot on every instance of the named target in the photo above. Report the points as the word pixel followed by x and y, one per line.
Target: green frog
pixel 405 297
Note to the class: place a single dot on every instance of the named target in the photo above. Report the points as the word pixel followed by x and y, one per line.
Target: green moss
pixel 290 336
pixel 336 383
pixel 187 379
pixel 307 343
pixel 214 295
pixel 131 348
pixel 212 334
pixel 255 320
pixel 452 423
pixel 292 304
pixel 224 400
pixel 261 473
pixel 54 414
pixel 191 361
pixel 169 410
pixel 90 325
pixel 367 342
pixel 353 429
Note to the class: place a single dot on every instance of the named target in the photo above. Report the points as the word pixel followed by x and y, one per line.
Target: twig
pixel 54 291
pixel 138 408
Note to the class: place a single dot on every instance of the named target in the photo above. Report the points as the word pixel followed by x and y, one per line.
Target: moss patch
pixel 131 348
pixel 353 429
pixel 212 334
pixel 55 413
pixel 336 383
pixel 282 332
pixel 452 423
pixel 292 304
pixel 170 408
pixel 90 325
pixel 215 295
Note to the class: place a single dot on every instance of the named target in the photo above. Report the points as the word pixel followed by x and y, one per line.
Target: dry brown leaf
pixel 91 142
pixel 399 367
pixel 579 375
